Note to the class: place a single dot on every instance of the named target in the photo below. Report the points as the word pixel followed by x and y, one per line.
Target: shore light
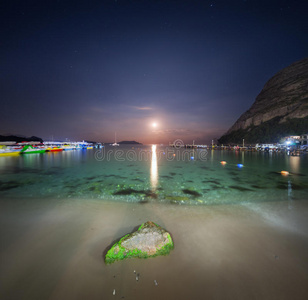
pixel 285 173
pixel 223 162
pixel 240 165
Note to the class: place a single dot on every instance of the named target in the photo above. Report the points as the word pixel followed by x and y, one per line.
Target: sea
pixel 239 224
pixel 160 174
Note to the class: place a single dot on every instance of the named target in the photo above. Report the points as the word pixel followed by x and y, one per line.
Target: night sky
pixel 86 69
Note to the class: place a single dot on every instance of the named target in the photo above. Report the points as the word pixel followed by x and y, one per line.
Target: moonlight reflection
pixel 154 172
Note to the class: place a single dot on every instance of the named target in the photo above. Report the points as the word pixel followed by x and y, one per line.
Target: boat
pixel 54 149
pixel 115 144
pixel 29 149
pixel 83 145
pixel 9 153
pixel 67 147
pixel 6 151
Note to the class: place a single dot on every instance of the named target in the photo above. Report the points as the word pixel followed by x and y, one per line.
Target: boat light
pixel 285 173
pixel 240 165
pixel 223 162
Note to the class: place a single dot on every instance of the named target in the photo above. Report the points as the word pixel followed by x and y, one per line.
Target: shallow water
pixel 165 175
pixel 239 233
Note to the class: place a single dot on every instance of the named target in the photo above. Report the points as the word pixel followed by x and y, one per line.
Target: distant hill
pixel 281 109
pixel 19 139
pixel 129 143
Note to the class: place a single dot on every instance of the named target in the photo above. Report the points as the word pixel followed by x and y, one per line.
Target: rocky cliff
pixel 283 98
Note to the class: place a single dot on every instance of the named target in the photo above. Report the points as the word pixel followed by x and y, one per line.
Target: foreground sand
pixel 52 249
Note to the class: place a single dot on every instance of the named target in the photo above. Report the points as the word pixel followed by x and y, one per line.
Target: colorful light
pixel 240 165
pixel 223 162
pixel 284 173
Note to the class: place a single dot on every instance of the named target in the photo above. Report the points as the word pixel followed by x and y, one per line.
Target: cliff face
pixel 285 95
pixel 283 98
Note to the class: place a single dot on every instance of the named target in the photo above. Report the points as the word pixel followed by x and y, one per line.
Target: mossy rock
pixel 149 240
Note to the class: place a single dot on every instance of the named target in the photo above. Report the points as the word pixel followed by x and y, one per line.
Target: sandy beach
pixel 54 250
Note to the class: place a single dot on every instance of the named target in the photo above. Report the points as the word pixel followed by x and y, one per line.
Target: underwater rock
pixel 149 240
pixel 191 192
pixel 239 188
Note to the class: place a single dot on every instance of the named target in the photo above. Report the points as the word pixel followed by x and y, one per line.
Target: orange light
pixel 173 154
pixel 285 173
pixel 223 162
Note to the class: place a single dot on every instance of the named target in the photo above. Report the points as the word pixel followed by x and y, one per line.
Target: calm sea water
pixel 60 212
pixel 159 174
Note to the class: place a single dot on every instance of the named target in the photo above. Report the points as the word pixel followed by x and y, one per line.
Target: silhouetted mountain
pixel 129 143
pixel 19 139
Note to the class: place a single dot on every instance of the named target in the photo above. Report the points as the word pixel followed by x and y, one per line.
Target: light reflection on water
pixel 154 173
pixel 295 163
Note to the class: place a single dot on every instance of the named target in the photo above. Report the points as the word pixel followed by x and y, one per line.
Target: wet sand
pixel 53 249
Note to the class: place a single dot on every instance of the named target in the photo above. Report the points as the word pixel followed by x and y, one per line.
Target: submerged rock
pixel 148 241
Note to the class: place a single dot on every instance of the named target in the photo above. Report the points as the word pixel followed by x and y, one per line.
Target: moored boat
pixel 29 149
pixel 115 144
pixel 67 147
pixel 54 149
pixel 8 151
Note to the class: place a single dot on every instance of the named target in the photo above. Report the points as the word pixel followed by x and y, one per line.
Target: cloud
pixel 172 132
pixel 142 107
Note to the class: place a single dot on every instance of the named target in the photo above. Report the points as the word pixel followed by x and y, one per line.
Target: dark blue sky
pixel 88 69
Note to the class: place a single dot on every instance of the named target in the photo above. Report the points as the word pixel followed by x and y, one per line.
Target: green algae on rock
pixel 149 240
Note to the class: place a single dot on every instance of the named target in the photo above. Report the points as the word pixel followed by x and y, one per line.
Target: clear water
pixel 60 212
pixel 145 174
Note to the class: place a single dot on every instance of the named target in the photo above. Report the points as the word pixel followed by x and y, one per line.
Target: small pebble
pixel 137 277
pixel 113 292
pixel 155 282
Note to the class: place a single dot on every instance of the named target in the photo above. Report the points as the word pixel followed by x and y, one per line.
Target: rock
pixel 149 240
